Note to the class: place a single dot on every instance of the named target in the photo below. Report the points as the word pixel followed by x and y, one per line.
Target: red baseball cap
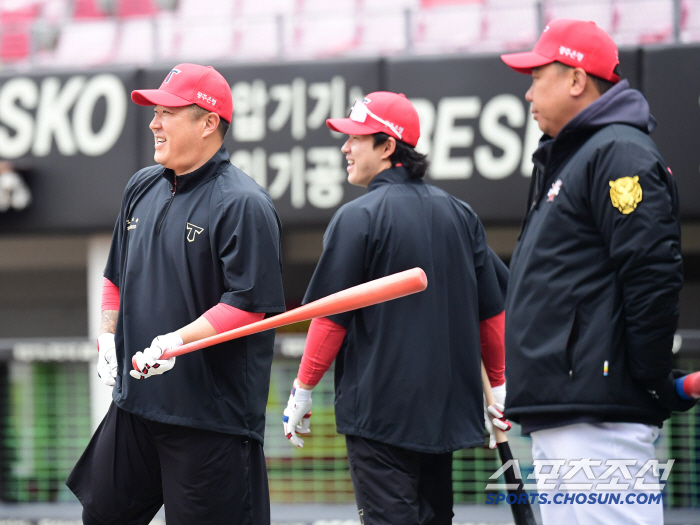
pixel 381 112
pixel 188 84
pixel 572 42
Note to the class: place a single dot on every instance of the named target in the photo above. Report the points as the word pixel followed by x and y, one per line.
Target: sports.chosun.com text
pixel 576 498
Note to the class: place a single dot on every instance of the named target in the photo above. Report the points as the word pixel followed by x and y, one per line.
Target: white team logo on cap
pixel 170 75
pixel 206 98
pixel 577 55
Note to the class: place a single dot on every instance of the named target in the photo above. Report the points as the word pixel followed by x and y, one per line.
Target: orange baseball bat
pixel 377 291
pixel 688 387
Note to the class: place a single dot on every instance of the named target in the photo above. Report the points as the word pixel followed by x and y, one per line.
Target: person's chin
pixel 160 158
pixel 354 181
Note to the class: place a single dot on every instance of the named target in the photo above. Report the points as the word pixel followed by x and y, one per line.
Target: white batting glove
pixel 493 414
pixel 296 418
pixel 149 362
pixel 106 359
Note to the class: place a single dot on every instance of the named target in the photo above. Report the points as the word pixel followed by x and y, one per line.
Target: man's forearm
pixel 108 321
pixel 196 330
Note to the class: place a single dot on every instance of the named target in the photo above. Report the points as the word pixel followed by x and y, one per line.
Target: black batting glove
pixel 663 390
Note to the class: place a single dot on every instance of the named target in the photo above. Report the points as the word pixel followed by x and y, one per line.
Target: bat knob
pixel 688 387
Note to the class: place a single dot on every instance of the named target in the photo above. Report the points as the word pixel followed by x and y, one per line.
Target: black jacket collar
pixel 393 175
pixel 201 175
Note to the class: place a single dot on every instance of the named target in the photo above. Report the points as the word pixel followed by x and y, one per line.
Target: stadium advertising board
pixel 77 138
pixel 72 138
pixel 671 83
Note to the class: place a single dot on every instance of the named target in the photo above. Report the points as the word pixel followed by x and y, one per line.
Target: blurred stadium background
pixel 70 139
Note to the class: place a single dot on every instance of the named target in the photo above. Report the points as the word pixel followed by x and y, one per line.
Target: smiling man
pixel 592 300
pixel 195 252
pixel 408 374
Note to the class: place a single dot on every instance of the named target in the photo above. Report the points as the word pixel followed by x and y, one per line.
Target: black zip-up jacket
pixel 413 359
pixel 592 302
pixel 180 246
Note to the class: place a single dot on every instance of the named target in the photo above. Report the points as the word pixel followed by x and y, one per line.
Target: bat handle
pixel 688 387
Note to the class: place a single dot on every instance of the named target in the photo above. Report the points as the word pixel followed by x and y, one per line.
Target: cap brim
pixel 524 62
pixel 349 126
pixel 158 97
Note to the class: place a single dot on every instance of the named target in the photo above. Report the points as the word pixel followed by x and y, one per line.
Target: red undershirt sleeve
pixel 323 343
pixel 110 295
pixel 493 348
pixel 224 317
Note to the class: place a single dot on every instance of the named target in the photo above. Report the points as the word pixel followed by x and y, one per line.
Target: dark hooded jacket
pixel 592 302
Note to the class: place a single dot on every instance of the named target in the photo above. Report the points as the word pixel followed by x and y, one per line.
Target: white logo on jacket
pixel 192 231
pixel 554 190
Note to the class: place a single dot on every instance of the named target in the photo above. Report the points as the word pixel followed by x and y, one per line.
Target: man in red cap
pixel 592 300
pixel 195 252
pixel 407 372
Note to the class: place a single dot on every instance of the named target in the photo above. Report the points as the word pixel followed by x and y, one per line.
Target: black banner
pixel 73 139
pixel 671 83
pixel 76 138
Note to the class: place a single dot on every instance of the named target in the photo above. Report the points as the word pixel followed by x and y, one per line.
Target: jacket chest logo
pixel 131 223
pixel 192 231
pixel 554 190
pixel 626 193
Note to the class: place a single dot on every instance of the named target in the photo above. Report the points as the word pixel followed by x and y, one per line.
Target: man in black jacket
pixel 592 301
pixel 407 373
pixel 195 252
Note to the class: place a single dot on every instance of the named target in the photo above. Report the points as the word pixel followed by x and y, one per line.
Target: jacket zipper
pixel 172 196
pixel 571 340
pixel 533 199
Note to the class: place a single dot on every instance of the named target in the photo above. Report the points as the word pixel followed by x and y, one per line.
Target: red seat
pixel 129 8
pixel 690 21
pixel 435 3
pixel 14 46
pixel 24 14
pixel 643 22
pixel 448 28
pixel 602 12
pixel 15 25
pixel 87 9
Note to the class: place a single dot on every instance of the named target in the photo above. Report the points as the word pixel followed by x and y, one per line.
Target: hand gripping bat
pixel 521 509
pixel 377 291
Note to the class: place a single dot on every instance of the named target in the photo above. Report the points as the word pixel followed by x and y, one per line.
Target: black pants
pixel 395 486
pixel 132 466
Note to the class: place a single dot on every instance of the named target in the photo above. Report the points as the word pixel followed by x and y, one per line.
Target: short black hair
pixel 198 112
pixel 415 163
pixel 600 84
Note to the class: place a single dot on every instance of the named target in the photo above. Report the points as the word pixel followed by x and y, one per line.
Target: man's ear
pixel 389 147
pixel 211 124
pixel 578 81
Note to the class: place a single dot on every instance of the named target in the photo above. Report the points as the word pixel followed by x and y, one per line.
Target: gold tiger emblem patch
pixel 626 193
